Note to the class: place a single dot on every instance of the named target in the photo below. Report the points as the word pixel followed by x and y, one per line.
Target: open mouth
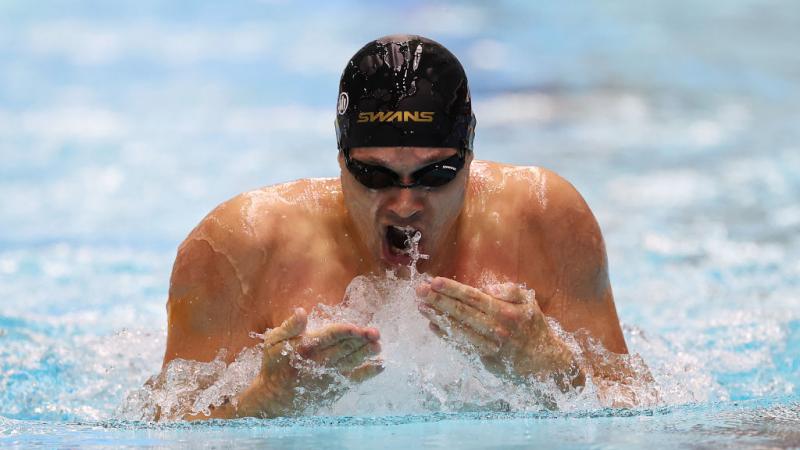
pixel 400 243
pixel 401 239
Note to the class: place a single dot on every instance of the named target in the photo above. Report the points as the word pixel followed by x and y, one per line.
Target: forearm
pixel 567 371
pixel 622 380
pixel 255 401
pixel 554 360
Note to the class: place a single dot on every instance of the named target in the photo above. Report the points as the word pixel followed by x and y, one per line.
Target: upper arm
pixel 208 294
pixel 580 295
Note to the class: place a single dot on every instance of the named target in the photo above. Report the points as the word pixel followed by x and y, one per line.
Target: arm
pixel 580 296
pixel 340 347
pixel 583 304
pixel 512 328
pixel 211 307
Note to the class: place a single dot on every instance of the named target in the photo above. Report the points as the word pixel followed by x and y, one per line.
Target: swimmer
pixel 405 128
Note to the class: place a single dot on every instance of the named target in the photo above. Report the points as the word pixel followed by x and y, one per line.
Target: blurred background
pixel 123 123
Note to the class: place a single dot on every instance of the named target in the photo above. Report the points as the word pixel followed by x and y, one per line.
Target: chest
pixel 493 253
pixel 484 255
pixel 303 278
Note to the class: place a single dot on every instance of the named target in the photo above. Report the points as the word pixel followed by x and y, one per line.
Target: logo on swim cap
pixel 344 100
pixel 396 116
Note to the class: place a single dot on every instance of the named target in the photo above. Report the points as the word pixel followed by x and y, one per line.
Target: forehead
pixel 401 155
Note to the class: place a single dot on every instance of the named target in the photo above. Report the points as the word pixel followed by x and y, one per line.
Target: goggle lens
pixel 379 177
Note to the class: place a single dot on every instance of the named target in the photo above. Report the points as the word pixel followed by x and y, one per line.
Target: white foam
pixel 423 372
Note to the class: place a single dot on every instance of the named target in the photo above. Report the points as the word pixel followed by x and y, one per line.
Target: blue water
pixel 123 123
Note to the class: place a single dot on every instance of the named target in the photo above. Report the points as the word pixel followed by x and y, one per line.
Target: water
pixel 121 127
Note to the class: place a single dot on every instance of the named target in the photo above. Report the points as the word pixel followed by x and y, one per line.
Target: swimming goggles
pixel 430 176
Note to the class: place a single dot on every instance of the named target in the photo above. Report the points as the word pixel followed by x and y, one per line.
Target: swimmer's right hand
pixel 296 370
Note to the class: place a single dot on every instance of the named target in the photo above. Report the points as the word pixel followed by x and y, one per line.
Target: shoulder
pixel 572 240
pixel 240 235
pixel 253 221
pixel 536 193
pixel 554 207
pixel 568 217
pixel 219 265
pixel 570 269
pixel 557 220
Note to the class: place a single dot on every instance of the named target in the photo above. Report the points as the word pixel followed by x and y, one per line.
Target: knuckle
pixel 508 314
pixel 336 328
pixel 476 298
pixel 501 333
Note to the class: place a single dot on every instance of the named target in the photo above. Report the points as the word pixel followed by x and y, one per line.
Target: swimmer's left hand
pixel 506 327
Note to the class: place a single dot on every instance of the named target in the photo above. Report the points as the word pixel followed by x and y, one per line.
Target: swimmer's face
pixel 431 211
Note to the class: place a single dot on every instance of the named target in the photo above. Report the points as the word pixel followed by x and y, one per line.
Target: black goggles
pixel 430 176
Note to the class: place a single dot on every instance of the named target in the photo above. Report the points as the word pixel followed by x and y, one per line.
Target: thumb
pixel 291 327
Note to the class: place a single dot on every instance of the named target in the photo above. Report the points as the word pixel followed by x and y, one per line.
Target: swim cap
pixel 404 90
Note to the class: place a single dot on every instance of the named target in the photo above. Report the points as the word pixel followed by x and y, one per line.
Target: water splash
pixel 423 372
pixel 190 387
pixel 413 237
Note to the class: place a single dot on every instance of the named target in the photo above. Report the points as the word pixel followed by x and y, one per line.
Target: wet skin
pixel 262 259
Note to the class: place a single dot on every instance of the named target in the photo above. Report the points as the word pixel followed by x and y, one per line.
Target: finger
pixel 291 327
pixel 465 294
pixel 442 324
pixel 358 357
pixel 510 292
pixel 329 356
pixel 335 333
pixel 465 337
pixel 423 290
pixel 276 354
pixel 436 330
pixel 463 313
pixel 446 328
pixel 366 371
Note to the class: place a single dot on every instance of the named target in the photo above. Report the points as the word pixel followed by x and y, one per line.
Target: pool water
pixel 122 126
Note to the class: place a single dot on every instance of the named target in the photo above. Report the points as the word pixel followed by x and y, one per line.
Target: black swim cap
pixel 405 91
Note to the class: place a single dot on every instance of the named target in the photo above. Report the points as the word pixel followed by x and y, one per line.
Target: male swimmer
pixel 405 128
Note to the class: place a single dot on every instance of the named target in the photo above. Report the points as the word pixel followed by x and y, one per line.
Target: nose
pixel 405 203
